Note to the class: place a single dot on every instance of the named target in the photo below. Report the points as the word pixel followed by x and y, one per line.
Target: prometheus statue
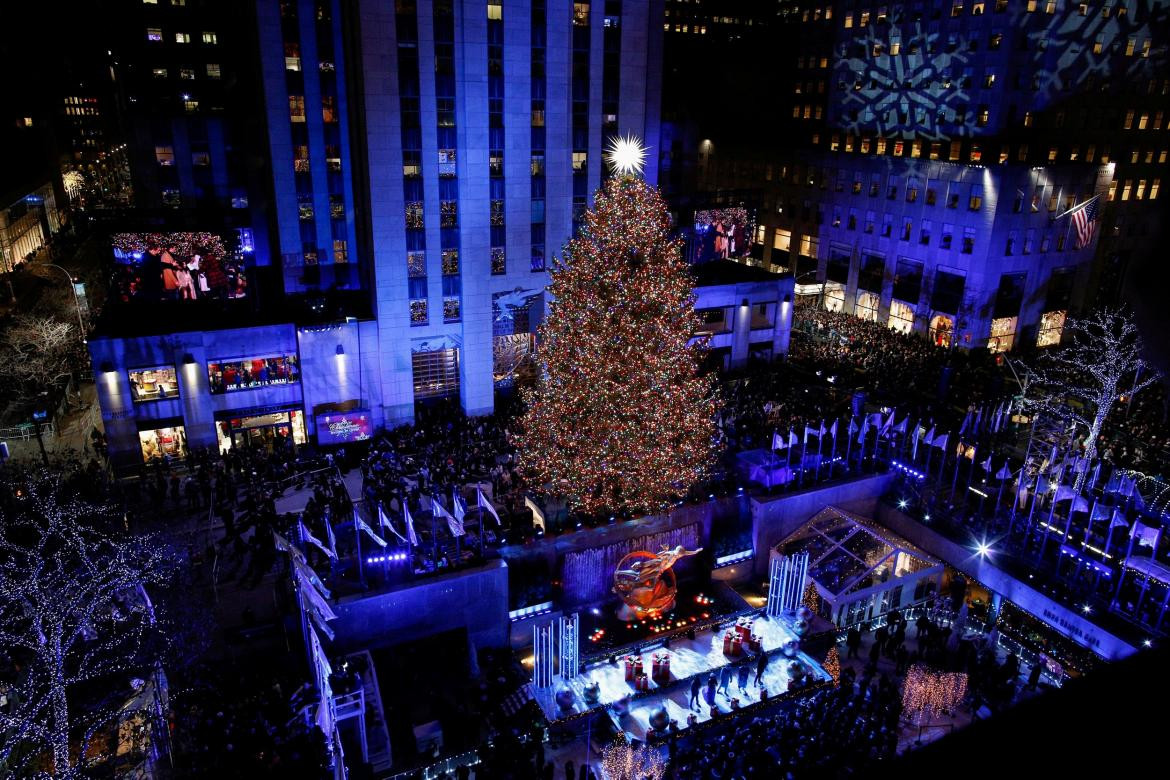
pixel 646 583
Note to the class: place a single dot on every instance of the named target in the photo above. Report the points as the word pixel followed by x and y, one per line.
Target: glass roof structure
pixel 848 555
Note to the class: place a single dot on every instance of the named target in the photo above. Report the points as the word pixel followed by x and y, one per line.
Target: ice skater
pixel 725 680
pixel 743 676
pixel 696 686
pixel 761 665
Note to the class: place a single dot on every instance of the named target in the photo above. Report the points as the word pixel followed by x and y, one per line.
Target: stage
pixel 688 658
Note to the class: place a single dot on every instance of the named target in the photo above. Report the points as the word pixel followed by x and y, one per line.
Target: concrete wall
pixel 774 518
pixel 1060 618
pixel 475 599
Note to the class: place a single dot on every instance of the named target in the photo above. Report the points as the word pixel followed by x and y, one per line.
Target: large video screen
pixel 226 376
pixel 184 266
pixel 344 427
pixel 722 233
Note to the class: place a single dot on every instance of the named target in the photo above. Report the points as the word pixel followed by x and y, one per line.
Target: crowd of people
pixel 902 366
pixel 252 733
pixel 834 727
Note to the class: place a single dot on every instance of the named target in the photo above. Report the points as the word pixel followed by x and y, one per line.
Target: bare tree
pixel 1099 361
pixel 36 353
pixel 75 617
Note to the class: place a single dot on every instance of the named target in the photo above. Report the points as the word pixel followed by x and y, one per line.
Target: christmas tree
pixel 832 665
pixel 620 419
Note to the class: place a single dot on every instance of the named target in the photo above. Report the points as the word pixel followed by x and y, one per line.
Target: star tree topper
pixel 626 155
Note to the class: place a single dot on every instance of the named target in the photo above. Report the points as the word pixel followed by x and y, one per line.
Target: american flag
pixel 1084 220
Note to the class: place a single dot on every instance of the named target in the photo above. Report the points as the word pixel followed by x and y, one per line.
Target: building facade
pixel 916 127
pixel 429 157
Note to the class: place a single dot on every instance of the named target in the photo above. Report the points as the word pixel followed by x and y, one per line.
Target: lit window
pixel 1125 190
pixel 1143 120
pixel 159 73
pixel 495 11
pixel 164 155
pixel 190 106
pixel 153 33
pixel 182 37
pixel 213 70
pixel 292 56
pixel 210 38
pixel 296 108
pixel 1140 192
pixel 340 251
pixel 187 73
pixel 1155 185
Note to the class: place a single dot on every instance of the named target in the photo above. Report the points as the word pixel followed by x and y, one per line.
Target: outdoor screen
pixel 188 266
pixel 225 376
pixel 344 427
pixel 722 233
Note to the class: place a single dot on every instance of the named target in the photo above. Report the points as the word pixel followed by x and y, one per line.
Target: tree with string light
pixel 620 418
pixel 1099 361
pixel 75 620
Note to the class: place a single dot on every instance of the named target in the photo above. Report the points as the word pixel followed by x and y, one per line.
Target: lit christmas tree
pixel 75 617
pixel 620 418
pixel 832 665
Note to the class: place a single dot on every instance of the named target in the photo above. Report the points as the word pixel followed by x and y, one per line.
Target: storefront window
pixel 1003 334
pixel 867 306
pixel 901 316
pixel 271 432
pixel 941 329
pixel 229 375
pixel 1051 328
pixel 153 384
pixel 436 373
pixel 834 296
pixel 162 442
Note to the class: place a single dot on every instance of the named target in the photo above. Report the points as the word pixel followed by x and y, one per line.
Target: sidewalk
pixel 71 434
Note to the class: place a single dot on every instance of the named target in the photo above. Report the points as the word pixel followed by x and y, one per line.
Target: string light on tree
pixel 624 762
pixel 626 155
pixel 928 692
pixel 832 664
pixel 620 418
pixel 74 615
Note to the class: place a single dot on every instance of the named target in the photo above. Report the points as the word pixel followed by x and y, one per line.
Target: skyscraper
pixel 410 169
pixel 943 151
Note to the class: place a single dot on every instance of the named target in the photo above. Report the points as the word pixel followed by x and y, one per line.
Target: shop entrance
pixel 270 432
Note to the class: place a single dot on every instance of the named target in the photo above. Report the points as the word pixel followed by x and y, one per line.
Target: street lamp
pixel 76 299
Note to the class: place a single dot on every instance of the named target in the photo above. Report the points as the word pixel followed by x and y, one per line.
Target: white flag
pixel 482 502
pixel 365 528
pixel 283 545
pixel 777 442
pixel 384 523
pixel 902 426
pixel 986 464
pixel 439 510
pixel 941 441
pixel 929 438
pixel 308 536
pixel 410 534
pixel 1005 472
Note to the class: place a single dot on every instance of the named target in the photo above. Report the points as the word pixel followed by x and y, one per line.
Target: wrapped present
pixel 727 643
pixel 642 683
pixel 633 667
pixel 755 642
pixel 737 646
pixel 744 626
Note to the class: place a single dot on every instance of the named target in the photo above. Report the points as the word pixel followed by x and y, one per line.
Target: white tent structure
pixel 861 570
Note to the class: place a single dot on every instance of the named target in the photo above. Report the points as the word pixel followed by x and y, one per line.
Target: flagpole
pixel 929 453
pixel 820 437
pixel 833 452
pixel 788 458
pixel 1048 526
pixel 1032 511
pixel 955 477
pixel 357 535
pixel 849 446
pixel 1121 565
pixel 803 451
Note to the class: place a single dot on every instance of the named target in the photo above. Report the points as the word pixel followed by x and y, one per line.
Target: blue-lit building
pixel 409 170
pixel 939 151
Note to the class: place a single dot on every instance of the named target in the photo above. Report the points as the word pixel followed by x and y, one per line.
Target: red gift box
pixel 642 683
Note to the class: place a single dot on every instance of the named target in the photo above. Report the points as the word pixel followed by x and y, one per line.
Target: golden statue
pixel 646 582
